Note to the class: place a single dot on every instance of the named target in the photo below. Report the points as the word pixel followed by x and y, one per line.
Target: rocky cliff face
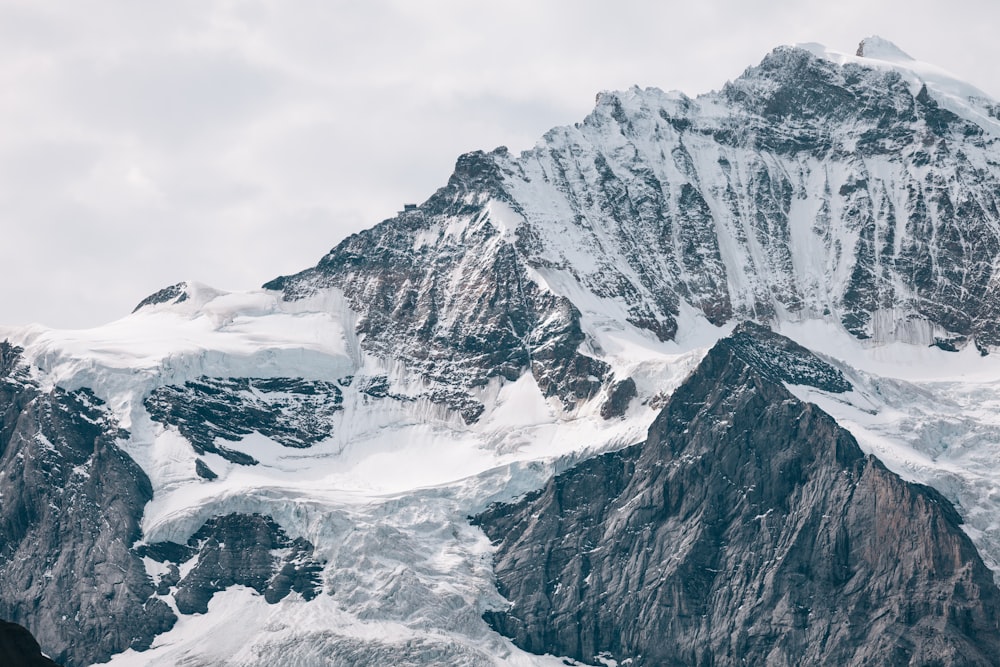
pixel 70 506
pixel 235 550
pixel 445 289
pixel 72 566
pixel 748 529
pixel 803 189
pixel 291 411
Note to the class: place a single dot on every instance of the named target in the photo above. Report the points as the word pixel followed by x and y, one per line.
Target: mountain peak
pixel 740 532
pixel 881 49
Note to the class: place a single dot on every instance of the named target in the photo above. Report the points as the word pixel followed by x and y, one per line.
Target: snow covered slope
pixel 381 499
pixel 536 310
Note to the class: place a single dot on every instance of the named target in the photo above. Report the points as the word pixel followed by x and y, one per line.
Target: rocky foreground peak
pixel 748 528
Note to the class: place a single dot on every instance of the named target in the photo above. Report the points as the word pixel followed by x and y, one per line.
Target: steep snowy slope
pixel 311 451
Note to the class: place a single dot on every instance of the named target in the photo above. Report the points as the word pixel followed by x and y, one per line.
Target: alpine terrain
pixel 696 381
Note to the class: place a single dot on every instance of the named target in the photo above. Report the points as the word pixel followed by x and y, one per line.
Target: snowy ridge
pixel 951 92
pixel 731 204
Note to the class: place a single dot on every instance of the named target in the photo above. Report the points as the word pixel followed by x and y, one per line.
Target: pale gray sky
pixel 228 142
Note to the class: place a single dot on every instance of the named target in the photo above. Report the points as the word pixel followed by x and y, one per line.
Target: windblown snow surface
pixel 385 498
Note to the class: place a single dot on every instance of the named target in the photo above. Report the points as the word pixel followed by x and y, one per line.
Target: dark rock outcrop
pixel 238 549
pixel 202 470
pixel 172 294
pixel 19 649
pixel 70 505
pixel 781 359
pixel 749 528
pixel 619 396
pixel 291 411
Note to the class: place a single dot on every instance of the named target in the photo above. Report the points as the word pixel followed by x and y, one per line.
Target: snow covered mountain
pixel 285 476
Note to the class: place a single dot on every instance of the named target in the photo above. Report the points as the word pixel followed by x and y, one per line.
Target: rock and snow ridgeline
pixel 537 310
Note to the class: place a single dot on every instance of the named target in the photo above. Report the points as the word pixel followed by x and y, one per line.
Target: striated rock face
pixel 748 529
pixel 70 506
pixel 803 189
pixel 446 290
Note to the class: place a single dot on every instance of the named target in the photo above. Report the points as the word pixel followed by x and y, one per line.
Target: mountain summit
pixel 882 49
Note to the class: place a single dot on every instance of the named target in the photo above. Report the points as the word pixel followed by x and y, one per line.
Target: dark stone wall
pixel 70 505
pixel 749 528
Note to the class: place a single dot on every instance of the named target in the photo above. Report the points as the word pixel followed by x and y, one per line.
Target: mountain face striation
pixel 747 529
pixel 285 475
pixel 72 503
pixel 804 189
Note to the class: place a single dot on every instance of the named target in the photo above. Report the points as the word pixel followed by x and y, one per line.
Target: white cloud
pixel 230 141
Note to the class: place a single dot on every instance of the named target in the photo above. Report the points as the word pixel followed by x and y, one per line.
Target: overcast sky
pixel 143 143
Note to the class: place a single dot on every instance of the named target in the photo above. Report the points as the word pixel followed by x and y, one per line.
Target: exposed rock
pixel 66 570
pixel 173 294
pixel 781 359
pixel 619 396
pixel 459 307
pixel 949 344
pixel 749 528
pixel 239 549
pixel 202 470
pixel 291 411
